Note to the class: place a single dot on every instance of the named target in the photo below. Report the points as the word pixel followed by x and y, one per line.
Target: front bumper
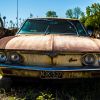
pixel 49 73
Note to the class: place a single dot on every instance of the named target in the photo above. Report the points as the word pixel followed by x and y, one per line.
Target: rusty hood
pixel 51 42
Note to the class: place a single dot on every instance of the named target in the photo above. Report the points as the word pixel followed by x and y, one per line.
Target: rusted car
pixel 50 48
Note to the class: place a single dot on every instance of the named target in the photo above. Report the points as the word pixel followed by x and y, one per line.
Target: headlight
pixel 15 58
pixel 88 59
pixel 3 57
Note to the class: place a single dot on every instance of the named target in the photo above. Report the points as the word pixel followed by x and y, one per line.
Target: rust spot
pixel 51 42
pixel 4 41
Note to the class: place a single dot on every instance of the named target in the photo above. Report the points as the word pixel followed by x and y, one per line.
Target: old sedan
pixel 50 48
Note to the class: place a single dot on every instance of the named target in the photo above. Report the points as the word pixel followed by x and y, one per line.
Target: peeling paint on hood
pixel 51 42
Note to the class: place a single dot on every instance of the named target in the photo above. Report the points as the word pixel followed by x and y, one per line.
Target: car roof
pixel 55 18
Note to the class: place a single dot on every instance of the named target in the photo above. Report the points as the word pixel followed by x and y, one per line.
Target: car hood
pixel 51 42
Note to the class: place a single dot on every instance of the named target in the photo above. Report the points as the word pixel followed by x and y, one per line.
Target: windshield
pixel 80 28
pixel 47 26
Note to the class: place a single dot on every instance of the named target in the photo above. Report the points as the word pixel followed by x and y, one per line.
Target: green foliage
pixel 74 13
pixel 95 8
pixel 45 96
pixel 82 18
pixel 88 10
pixel 89 23
pixel 93 16
pixel 51 14
pixel 77 12
pixel 69 13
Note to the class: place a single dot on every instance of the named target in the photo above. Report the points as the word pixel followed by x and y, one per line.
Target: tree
pixel 1 22
pixel 77 12
pixel 69 13
pixel 11 23
pixel 95 8
pixel 4 18
pixel 83 17
pixel 51 14
pixel 93 16
pixel 20 22
pixel 74 13
pixel 31 15
pixel 88 11
pixel 93 21
pixel 89 23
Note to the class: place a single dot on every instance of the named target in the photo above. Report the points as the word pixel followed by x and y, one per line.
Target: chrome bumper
pixel 37 71
pixel 53 68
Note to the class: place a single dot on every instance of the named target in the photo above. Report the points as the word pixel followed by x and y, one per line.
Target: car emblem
pixel 72 60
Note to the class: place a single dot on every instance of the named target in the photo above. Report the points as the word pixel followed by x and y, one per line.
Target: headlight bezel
pixel 15 57
pixel 87 63
pixel 3 57
pixel 8 58
pixel 7 54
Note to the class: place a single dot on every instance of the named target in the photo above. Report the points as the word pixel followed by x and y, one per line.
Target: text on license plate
pixel 61 75
pixel 51 75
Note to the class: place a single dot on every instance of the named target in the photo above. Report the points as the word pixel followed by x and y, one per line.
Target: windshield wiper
pixel 46 31
pixel 68 34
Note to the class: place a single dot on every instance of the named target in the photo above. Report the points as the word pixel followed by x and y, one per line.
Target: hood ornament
pixel 52 54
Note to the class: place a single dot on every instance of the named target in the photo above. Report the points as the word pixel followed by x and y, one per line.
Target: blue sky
pixel 40 7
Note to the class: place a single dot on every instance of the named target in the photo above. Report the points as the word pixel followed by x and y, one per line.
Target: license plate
pixel 63 75
pixel 51 75
pixel 77 75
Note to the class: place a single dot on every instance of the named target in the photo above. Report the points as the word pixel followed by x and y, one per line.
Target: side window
pixel 70 28
pixel 79 27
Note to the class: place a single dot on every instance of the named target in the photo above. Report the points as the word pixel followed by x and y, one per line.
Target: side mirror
pixel 90 32
pixel 94 34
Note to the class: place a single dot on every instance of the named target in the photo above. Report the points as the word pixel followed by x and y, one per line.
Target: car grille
pixel 46 60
